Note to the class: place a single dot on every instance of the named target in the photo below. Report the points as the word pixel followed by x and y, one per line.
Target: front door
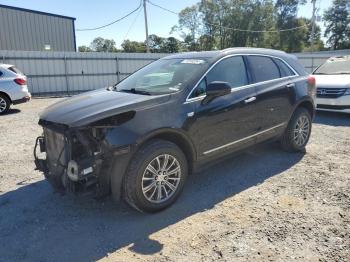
pixel 229 121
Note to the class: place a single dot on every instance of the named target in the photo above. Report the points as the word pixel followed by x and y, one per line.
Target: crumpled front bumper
pixel 52 157
pixel 40 163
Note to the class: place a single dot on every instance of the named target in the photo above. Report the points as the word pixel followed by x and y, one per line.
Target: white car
pixel 333 85
pixel 13 87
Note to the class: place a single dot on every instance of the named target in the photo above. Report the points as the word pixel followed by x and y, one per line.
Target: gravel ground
pixel 264 205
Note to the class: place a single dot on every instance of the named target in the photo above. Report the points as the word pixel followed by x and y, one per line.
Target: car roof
pixel 228 51
pixel 5 66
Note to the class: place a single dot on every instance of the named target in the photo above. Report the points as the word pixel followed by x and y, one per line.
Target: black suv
pixel 141 138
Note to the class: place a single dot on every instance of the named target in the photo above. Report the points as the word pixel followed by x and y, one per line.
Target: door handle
pixel 290 85
pixel 249 100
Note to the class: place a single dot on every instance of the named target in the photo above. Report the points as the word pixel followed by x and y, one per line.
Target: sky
pixel 92 13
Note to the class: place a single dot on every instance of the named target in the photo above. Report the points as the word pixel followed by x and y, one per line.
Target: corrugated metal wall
pixel 62 73
pixel 54 73
pixel 31 31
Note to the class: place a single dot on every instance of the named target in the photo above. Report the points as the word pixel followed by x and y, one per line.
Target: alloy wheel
pixel 161 178
pixel 301 130
pixel 3 105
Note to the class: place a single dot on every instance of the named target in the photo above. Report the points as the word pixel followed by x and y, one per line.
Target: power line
pixel 111 23
pixel 235 29
pixel 132 24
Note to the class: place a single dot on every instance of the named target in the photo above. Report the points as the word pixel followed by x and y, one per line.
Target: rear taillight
pixel 20 81
pixel 311 80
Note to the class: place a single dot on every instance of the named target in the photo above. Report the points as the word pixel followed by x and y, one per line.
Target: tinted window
pixel 263 68
pixel 201 89
pixel 231 70
pixel 1 73
pixel 284 69
pixel 15 70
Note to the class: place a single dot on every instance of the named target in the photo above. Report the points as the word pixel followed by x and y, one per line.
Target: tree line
pixel 212 24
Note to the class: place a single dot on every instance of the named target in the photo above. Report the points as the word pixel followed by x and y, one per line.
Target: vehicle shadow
pixel 332 118
pixel 38 225
pixel 12 111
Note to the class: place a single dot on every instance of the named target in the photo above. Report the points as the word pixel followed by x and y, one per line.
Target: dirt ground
pixel 263 205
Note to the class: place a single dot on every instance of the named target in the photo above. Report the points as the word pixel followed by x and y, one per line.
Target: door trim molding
pixel 243 139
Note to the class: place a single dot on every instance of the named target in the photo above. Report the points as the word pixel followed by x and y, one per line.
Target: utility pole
pixel 146 25
pixel 313 21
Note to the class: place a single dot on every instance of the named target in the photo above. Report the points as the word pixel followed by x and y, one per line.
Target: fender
pixel 120 165
pixel 302 100
pixel 168 132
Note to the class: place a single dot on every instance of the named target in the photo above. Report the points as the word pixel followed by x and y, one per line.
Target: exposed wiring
pixel 235 29
pixel 115 21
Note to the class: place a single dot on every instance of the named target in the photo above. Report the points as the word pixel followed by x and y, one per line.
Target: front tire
pixel 155 176
pixel 298 131
pixel 4 104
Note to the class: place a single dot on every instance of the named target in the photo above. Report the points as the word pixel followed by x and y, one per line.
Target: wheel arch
pixel 308 105
pixel 5 94
pixel 175 136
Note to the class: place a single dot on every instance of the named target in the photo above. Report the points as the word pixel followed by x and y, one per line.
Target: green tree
pixel 318 42
pixel 337 22
pixel 133 46
pixel 155 43
pixel 286 16
pixel 84 48
pixel 189 25
pixel 170 45
pixel 100 44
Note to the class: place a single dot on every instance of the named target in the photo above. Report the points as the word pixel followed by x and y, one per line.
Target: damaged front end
pixel 73 159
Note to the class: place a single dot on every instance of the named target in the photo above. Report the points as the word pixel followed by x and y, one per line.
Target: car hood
pixel 92 106
pixel 329 81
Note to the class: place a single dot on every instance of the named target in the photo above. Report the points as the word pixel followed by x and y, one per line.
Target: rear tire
pixel 4 104
pixel 298 131
pixel 155 177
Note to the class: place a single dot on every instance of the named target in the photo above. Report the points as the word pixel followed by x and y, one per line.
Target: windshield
pixel 162 76
pixel 334 66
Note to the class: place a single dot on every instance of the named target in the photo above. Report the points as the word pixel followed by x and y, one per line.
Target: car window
pixel 163 76
pixel 201 89
pixel 334 66
pixel 263 68
pixel 15 70
pixel 284 69
pixel 1 73
pixel 231 70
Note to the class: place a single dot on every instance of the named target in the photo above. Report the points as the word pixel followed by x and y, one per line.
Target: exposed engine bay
pixel 77 159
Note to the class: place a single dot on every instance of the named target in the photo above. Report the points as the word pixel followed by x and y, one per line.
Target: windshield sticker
pixel 193 61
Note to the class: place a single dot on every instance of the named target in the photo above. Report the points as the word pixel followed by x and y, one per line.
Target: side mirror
pixel 216 89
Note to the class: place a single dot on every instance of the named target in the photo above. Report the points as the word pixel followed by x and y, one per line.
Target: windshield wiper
pixel 135 91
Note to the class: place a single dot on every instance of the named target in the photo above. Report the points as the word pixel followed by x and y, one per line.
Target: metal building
pixel 29 30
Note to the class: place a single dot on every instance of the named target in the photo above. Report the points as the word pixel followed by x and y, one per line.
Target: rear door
pixel 227 122
pixel 5 80
pixel 275 92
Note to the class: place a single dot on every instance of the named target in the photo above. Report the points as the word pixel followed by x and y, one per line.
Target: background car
pixel 13 87
pixel 333 84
